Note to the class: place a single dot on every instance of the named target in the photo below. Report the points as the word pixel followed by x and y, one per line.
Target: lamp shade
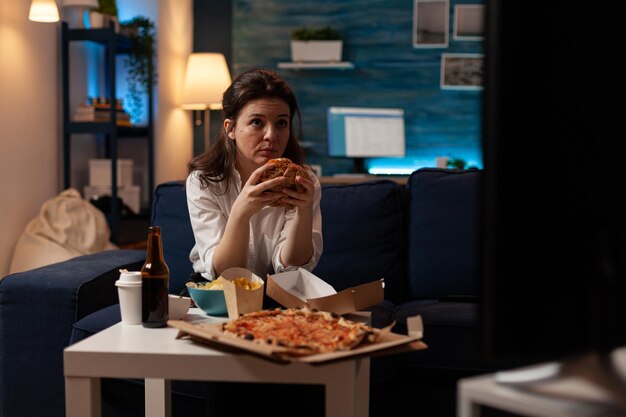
pixel 92 4
pixel 43 11
pixel 206 79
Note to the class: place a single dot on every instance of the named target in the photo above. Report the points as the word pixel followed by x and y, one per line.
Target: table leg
pixel 158 397
pixel 341 390
pixel 82 397
pixel 466 406
pixel 468 409
pixel 362 397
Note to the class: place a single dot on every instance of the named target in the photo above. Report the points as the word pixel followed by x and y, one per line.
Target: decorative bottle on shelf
pixel 155 277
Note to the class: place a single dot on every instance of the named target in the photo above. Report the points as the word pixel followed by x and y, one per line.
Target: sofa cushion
pixel 37 310
pixel 451 332
pixel 171 214
pixel 382 314
pixel 436 313
pixel 443 226
pixel 95 322
pixel 364 236
pixel 449 348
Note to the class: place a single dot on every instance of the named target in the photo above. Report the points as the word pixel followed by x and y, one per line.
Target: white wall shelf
pixel 316 65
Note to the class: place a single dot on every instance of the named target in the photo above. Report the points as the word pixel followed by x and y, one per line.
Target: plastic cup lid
pixel 119 283
pixel 130 277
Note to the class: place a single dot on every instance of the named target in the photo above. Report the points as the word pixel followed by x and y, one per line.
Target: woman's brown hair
pixel 218 161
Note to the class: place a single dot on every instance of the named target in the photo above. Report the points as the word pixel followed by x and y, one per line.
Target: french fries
pixel 218 284
pixel 246 284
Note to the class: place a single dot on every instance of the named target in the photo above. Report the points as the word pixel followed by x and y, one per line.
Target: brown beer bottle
pixel 155 279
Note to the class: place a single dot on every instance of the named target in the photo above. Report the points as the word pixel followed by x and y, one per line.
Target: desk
pixel 127 351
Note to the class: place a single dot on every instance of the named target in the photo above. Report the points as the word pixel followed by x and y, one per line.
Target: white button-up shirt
pixel 268 228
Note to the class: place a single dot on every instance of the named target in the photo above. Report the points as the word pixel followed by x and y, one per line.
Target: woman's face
pixel 260 132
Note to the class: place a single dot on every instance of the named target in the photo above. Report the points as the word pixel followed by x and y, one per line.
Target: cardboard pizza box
pixel 301 288
pixel 208 332
pixel 240 300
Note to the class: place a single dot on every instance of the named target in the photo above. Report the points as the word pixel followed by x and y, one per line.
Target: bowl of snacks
pixel 236 291
pixel 178 306
pixel 209 296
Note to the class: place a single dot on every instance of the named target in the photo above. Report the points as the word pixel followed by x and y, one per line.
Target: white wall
pixel 30 128
pixel 173 128
pixel 29 120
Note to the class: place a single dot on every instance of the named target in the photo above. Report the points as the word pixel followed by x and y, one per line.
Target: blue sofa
pixel 421 238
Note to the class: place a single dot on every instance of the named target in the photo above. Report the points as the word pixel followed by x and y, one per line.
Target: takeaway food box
pixel 300 288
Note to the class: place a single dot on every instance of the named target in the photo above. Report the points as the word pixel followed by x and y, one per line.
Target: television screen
pixel 365 132
pixel 553 225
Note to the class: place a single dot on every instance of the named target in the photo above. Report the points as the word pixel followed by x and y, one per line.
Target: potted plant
pixel 141 76
pixel 105 13
pixel 316 45
pixel 458 163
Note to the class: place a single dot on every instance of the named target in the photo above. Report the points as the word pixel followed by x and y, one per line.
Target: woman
pixel 232 221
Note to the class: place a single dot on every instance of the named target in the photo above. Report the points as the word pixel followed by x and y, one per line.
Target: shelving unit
pixel 114 44
pixel 344 65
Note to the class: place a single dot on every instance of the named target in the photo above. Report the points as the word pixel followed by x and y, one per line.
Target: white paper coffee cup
pixel 130 301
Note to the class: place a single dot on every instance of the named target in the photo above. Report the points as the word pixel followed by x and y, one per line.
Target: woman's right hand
pixel 254 196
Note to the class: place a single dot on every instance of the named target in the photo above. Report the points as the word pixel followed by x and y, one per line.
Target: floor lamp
pixel 206 79
pixel 43 11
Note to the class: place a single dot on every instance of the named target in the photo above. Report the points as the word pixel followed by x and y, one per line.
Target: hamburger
pixel 283 167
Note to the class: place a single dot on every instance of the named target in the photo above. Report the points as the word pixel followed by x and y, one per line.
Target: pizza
pixel 301 330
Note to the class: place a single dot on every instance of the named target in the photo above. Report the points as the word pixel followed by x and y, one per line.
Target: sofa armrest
pixel 37 311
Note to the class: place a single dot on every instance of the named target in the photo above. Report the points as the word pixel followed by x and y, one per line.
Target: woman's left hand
pixel 302 200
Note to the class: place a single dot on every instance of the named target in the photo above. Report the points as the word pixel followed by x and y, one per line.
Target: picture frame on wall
pixel 462 71
pixel 469 22
pixel 431 23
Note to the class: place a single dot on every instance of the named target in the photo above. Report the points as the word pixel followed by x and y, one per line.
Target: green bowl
pixel 212 302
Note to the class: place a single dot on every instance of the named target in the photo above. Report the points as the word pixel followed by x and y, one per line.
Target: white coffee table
pixel 580 386
pixel 155 355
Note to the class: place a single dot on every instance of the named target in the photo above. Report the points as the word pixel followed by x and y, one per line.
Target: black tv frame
pixel 553 226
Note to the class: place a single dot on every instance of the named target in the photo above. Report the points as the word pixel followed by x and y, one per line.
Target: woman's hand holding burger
pixel 297 188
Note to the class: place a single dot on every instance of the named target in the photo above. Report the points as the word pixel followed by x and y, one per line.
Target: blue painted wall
pixel 388 72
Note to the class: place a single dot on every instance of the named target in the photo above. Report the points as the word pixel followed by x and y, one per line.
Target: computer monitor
pixel 358 132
